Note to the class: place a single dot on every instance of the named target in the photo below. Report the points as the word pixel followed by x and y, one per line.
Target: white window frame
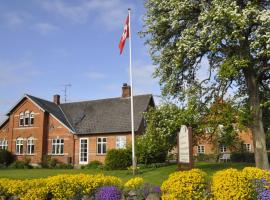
pixel 58 143
pixel 32 118
pixel 27 116
pixel 21 117
pixel 19 146
pixel 120 142
pixel 30 143
pixel 247 147
pixel 101 143
pixel 80 151
pixel 4 144
pixel 201 149
pixel 223 149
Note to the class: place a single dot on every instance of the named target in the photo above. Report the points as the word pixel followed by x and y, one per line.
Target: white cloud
pixel 45 28
pixel 108 12
pixel 143 78
pixel 13 73
pixel 95 75
pixel 15 19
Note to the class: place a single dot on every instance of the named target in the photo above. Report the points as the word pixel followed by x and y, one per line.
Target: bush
pixel 6 157
pixel 95 164
pixel 185 185
pixel 243 157
pixel 234 184
pixel 206 158
pixel 108 193
pixel 57 187
pixel 134 183
pixel 21 164
pixel 63 166
pixel 118 159
pixel 48 162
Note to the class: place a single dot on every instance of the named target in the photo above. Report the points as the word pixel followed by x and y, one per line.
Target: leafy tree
pixel 234 35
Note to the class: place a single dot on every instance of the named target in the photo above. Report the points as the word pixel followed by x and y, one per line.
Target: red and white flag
pixel 124 36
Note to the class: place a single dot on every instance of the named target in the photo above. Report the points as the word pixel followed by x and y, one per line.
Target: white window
pixel 223 149
pixel 247 147
pixel 32 117
pixel 83 150
pixel 201 149
pixel 26 118
pixel 3 144
pixel 21 122
pixel 101 145
pixel 19 146
pixel 30 146
pixel 120 142
pixel 57 146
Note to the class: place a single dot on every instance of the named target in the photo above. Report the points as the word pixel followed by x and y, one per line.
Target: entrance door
pixel 83 151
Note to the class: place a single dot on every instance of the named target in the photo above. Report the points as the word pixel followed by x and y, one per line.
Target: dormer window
pixel 32 118
pixel 26 118
pixel 21 119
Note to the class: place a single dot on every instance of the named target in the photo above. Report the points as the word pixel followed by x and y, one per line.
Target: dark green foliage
pixel 118 159
pixel 63 166
pixel 206 158
pixel 21 164
pixel 95 164
pixel 6 157
pixel 48 162
pixel 243 157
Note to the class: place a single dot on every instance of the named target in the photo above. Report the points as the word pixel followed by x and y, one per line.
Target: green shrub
pixel 243 157
pixel 63 166
pixel 118 159
pixel 21 164
pixel 6 157
pixel 206 157
pixel 95 164
pixel 48 162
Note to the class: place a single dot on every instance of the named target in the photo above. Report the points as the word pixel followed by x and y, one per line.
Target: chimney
pixel 126 90
pixel 56 99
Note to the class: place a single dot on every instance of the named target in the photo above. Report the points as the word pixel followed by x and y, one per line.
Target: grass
pixel 153 175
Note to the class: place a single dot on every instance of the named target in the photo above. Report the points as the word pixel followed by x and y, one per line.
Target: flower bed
pixel 250 183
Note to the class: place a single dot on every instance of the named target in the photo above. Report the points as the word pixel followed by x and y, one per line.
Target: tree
pixel 234 35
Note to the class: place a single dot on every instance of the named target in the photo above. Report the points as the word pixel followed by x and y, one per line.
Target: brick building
pixel 74 133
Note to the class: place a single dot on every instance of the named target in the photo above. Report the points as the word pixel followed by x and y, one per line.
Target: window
pixel 32 118
pixel 120 142
pixel 247 147
pixel 30 146
pixel 201 149
pixel 223 149
pixel 57 146
pixel 101 145
pixel 26 118
pixel 3 144
pixel 83 151
pixel 19 146
pixel 21 123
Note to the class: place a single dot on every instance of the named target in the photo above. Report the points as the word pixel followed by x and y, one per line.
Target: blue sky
pixel 49 43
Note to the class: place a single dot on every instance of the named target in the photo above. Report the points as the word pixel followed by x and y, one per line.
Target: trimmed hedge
pixel 118 159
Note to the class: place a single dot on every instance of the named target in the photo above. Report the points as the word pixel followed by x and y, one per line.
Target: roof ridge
pixel 110 98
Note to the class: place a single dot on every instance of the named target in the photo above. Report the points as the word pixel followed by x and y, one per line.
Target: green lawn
pixel 154 176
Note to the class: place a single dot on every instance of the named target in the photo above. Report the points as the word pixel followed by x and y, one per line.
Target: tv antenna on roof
pixel 65 90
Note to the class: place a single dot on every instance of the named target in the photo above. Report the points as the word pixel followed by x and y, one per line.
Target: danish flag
pixel 124 36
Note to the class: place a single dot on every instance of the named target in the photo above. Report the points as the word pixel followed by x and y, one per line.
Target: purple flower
pixel 262 188
pixel 108 193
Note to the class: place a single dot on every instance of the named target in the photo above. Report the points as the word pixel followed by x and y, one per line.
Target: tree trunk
pixel 259 143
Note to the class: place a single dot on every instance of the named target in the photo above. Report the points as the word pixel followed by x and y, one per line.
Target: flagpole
pixel 131 99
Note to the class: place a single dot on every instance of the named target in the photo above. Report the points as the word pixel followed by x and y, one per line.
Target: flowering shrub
pixel 231 184
pixel 262 188
pixel 59 187
pixel 185 185
pixel 134 183
pixel 108 193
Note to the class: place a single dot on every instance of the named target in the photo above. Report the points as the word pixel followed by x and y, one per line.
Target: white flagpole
pixel 131 99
